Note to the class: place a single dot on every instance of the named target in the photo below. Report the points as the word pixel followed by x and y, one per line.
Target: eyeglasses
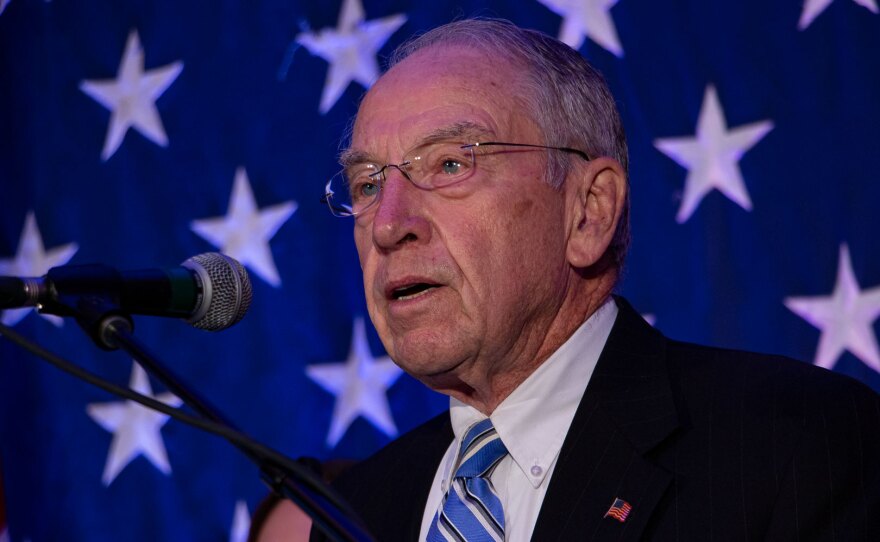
pixel 356 189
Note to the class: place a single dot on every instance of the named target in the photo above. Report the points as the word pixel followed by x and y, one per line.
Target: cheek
pixel 366 257
pixel 492 251
pixel 363 243
pixel 522 210
pixel 531 241
pixel 361 233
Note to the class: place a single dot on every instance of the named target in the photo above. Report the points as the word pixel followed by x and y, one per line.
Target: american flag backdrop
pixel 140 133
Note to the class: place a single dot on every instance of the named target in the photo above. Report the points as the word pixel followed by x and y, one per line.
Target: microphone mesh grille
pixel 231 291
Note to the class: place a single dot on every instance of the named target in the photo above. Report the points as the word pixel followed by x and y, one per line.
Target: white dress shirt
pixel 532 422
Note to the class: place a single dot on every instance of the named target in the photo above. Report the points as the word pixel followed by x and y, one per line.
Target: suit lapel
pixel 415 474
pixel 626 411
pixel 424 459
pixel 389 490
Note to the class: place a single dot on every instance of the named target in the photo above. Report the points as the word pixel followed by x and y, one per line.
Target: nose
pixel 400 217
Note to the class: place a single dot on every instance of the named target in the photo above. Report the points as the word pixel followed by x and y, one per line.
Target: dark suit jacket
pixel 704 443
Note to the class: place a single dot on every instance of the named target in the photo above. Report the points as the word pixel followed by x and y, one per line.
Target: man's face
pixel 462 278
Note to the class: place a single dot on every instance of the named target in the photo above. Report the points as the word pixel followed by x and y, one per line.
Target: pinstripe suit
pixel 704 443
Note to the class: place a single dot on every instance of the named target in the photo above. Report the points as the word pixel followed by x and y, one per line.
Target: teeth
pixel 414 295
pixel 412 291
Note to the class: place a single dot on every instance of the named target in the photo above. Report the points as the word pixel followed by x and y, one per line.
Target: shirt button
pixel 536 470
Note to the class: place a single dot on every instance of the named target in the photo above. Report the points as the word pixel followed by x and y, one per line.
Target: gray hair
pixel 568 99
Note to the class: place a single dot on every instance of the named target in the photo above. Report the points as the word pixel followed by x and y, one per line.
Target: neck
pixel 486 385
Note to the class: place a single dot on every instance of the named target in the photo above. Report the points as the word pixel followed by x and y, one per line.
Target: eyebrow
pixel 464 131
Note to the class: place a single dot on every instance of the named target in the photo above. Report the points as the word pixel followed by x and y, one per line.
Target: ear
pixel 596 198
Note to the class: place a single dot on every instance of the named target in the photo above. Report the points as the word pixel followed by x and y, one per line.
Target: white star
pixel 813 8
pixel 587 18
pixel 350 48
pixel 135 428
pixel 712 156
pixel 131 97
pixel 33 260
pixel 245 231
pixel 359 384
pixel 241 523
pixel 845 317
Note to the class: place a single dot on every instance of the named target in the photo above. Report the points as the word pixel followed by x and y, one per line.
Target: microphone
pixel 211 291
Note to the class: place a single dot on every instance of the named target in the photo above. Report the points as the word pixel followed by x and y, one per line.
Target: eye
pixel 451 166
pixel 439 164
pixel 364 189
pixel 368 190
pixel 363 186
pixel 449 160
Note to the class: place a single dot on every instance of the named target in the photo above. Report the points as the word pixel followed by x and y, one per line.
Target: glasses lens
pixel 353 190
pixel 440 164
pixel 350 192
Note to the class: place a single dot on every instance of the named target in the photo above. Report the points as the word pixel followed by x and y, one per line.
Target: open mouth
pixel 411 291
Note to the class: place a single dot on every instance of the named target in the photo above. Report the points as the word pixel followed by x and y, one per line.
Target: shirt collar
pixel 534 419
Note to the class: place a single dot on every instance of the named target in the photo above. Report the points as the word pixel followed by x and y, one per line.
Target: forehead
pixel 441 90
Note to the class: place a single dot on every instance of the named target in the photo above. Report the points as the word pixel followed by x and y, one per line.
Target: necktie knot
pixel 471 511
pixel 481 450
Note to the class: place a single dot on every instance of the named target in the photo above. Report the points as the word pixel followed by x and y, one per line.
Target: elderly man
pixel 487 181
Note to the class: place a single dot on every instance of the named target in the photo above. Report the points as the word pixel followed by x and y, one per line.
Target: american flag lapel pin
pixel 619 510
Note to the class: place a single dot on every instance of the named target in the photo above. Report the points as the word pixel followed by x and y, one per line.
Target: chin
pixel 425 366
pixel 427 360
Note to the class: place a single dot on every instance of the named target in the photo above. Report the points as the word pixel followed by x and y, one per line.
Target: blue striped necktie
pixel 471 511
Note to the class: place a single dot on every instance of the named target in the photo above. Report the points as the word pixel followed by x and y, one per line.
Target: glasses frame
pixel 343 212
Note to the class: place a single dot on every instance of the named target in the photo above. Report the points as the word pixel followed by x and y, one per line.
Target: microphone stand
pixel 111 328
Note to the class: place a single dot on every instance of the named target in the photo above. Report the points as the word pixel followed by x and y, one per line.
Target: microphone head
pixel 226 291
